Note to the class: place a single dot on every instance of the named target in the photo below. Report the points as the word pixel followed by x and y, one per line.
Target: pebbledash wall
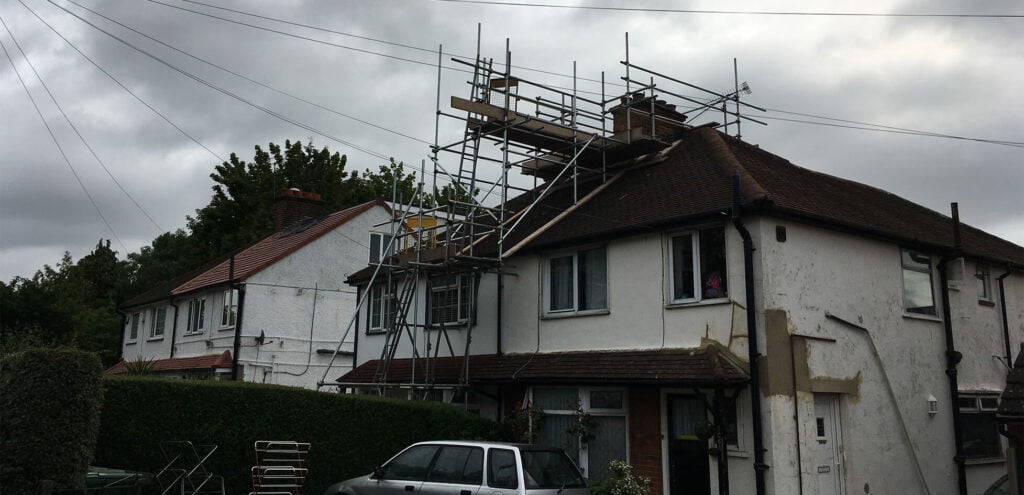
pixel 823 297
pixel 279 306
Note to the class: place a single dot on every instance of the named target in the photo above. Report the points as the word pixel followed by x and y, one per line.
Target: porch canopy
pixel 209 362
pixel 706 366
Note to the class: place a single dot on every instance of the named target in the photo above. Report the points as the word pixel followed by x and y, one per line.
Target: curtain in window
pixel 553 433
pixel 561 283
pixel 593 268
pixel 682 267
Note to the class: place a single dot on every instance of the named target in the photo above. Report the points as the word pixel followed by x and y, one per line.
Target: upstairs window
pixel 133 326
pixel 382 307
pixel 984 279
pixel 196 316
pixel 577 281
pixel 449 299
pixel 697 264
pixel 229 311
pixel 381 247
pixel 979 428
pixel 156 327
pixel 918 297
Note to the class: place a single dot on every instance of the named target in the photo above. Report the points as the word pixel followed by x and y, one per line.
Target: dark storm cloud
pixel 944 75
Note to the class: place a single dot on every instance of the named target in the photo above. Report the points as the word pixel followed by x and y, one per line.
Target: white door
pixel 828 456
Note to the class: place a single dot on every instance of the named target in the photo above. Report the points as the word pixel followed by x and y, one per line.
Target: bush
pixel 49 417
pixel 350 435
pixel 621 481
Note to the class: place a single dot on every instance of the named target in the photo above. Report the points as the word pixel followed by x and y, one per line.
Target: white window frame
pixel 697 283
pixel 574 310
pixel 134 322
pixel 158 323
pixel 461 284
pixel 984 277
pixel 979 408
pixel 196 322
pixel 229 299
pixel 931 283
pixel 381 252
pixel 380 303
pixel 583 396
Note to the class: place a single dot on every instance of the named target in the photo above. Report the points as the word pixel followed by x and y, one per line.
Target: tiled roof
pixel 164 290
pixel 1011 402
pixel 691 181
pixel 662 366
pixel 208 362
pixel 273 248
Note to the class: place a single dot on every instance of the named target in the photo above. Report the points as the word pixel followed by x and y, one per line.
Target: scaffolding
pixel 561 137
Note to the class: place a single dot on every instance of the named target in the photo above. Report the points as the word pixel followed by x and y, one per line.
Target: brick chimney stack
pixel 668 122
pixel 292 205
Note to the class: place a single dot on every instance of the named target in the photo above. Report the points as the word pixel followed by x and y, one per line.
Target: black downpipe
pixel 753 354
pixel 721 443
pixel 501 291
pixel 238 332
pixel 953 357
pixel 174 327
pixel 1006 323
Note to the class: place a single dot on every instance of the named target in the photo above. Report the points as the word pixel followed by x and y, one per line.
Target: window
pixel 917 283
pixel 984 283
pixel 577 281
pixel 196 315
pixel 411 464
pixel 379 247
pixel 606 436
pixel 697 263
pixel 978 427
pixel 382 307
pixel 449 299
pixel 156 327
pixel 133 326
pixel 501 469
pixel 230 309
pixel 462 465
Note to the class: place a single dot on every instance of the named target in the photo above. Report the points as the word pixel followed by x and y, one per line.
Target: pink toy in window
pixel 713 286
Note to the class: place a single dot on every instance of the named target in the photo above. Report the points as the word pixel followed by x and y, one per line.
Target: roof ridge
pixel 750 189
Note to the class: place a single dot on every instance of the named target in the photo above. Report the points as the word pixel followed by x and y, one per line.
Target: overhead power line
pixel 247 78
pixel 866 126
pixel 79 134
pixel 59 148
pixel 739 12
pixel 122 86
pixel 225 91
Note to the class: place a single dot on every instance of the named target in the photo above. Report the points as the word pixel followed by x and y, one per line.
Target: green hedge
pixel 349 434
pixel 49 417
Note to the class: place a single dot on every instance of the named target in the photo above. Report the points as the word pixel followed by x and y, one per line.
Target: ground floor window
pixel 978 427
pixel 589 423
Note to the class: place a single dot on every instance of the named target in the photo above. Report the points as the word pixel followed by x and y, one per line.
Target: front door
pixel 689 466
pixel 828 456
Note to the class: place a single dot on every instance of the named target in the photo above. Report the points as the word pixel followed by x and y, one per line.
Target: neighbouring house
pixel 272 312
pixel 828 336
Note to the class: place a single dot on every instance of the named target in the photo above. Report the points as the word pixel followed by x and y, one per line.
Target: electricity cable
pixel 79 134
pixel 59 148
pixel 122 86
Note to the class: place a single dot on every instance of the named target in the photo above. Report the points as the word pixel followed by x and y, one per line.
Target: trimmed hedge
pixel 349 434
pixel 49 417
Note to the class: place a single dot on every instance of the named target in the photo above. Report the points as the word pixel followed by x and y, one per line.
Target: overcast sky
pixel 957 76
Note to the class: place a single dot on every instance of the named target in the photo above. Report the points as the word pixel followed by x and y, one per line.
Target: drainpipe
pixel 753 355
pixel 952 356
pixel 1006 323
pixel 238 331
pixel 174 327
pixel 501 291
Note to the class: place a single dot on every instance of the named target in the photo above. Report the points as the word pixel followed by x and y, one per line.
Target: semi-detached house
pixel 272 312
pixel 878 328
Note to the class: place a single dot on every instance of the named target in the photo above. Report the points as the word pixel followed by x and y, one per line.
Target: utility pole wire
pixel 79 134
pixel 125 88
pixel 59 148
